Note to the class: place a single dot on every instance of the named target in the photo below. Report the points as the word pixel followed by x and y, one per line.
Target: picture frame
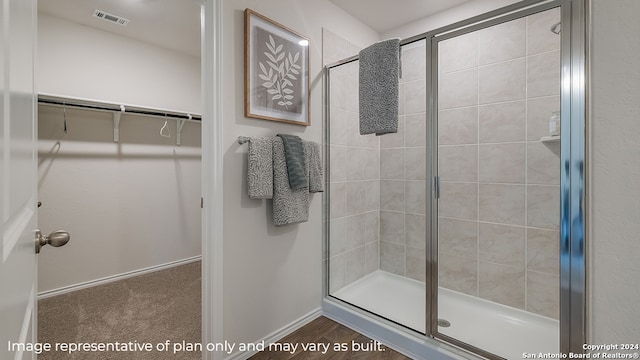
pixel 276 61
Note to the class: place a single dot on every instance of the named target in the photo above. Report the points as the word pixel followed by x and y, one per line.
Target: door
pixel 18 180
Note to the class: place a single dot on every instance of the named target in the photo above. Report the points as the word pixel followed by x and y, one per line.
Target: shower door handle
pixel 436 187
pixel 56 239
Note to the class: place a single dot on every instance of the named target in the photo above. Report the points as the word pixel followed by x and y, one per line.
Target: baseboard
pixel 279 334
pixel 112 278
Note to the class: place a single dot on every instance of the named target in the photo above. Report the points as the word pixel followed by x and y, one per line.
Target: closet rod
pixel 82 104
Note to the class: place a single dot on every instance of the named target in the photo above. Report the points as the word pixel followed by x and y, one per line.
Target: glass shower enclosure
pixel 452 227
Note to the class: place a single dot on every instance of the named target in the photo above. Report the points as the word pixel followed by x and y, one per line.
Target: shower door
pixel 496 144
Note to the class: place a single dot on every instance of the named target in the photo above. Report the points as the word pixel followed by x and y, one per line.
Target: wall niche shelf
pixel 550 139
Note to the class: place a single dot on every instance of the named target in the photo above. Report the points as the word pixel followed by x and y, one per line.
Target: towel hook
pixel 64 114
pixel 164 133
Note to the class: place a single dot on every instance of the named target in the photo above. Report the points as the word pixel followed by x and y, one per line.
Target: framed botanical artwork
pixel 276 61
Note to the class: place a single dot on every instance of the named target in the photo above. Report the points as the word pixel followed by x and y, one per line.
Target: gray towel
pixel 290 206
pixel 260 168
pixel 313 158
pixel 379 83
pixel 294 155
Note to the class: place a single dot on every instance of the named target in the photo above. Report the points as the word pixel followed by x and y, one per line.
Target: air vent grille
pixel 110 17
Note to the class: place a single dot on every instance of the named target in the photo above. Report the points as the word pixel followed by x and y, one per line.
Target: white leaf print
pixel 282 69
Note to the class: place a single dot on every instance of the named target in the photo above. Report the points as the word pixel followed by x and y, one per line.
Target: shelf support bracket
pixel 179 125
pixel 116 123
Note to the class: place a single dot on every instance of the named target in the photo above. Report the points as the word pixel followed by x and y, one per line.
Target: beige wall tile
pixel 416 163
pixel 372 221
pixel 371 257
pixel 413 63
pixel 503 81
pixel 415 231
pixel 543 74
pixel 354 265
pixel 416 263
pixel 416 130
pixel 503 163
pixel 502 244
pixel 356 163
pixel 392 227
pixel 415 197
pixel 371 165
pixel 458 237
pixel 415 97
pixel 543 251
pixel 338 236
pixel 502 203
pixel 502 284
pixel 503 122
pixel 336 273
pixel 543 206
pixel 458 53
pixel 356 197
pixel 392 195
pixel 338 201
pixel 543 163
pixel 371 195
pixel 543 293
pixel 338 126
pixel 538 113
pixel 394 140
pixel 355 232
pixel 458 162
pixel 458 126
pixel 539 36
pixel 458 273
pixel 392 164
pixel 458 200
pixel 392 258
pixel 502 42
pixel 338 163
pixel 458 89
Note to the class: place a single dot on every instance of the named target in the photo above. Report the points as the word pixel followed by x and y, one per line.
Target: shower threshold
pixel 499 329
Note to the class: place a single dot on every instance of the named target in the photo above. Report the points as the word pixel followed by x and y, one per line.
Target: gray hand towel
pixel 295 158
pixel 290 206
pixel 260 168
pixel 379 84
pixel 314 159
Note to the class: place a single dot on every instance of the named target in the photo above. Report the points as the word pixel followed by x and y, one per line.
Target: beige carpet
pixel 151 308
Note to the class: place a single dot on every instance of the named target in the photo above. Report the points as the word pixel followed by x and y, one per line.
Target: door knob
pixel 56 239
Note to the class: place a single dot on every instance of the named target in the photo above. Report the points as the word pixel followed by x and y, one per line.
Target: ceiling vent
pixel 110 17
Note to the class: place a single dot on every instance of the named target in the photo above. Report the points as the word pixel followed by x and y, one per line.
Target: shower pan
pixel 458 232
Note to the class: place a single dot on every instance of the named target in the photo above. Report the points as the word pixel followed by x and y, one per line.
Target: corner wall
pixel 272 275
pixel 614 169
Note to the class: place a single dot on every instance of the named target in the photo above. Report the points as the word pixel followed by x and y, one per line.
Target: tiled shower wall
pixel 403 173
pixel 499 206
pixel 354 174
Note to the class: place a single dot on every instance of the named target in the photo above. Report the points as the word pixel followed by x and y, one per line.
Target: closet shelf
pixel 550 139
pixel 118 109
pixel 59 101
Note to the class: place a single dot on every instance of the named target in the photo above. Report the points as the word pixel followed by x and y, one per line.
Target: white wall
pixel 447 17
pixel 80 61
pixel 272 276
pixel 128 205
pixel 614 213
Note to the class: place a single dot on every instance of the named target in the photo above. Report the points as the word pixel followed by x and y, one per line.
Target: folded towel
pixel 260 168
pixel 379 74
pixel 294 154
pixel 314 159
pixel 290 206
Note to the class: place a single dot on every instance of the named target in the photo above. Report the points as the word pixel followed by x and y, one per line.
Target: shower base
pixel 499 329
